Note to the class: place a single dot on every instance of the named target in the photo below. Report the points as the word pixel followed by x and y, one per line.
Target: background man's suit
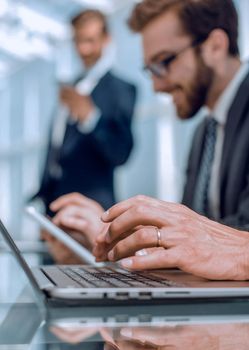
pixel 88 160
pixel 234 169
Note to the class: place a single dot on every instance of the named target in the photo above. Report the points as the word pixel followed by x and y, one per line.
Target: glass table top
pixel 192 324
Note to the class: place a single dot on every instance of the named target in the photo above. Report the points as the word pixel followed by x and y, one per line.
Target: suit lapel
pixel 234 120
pixel 98 88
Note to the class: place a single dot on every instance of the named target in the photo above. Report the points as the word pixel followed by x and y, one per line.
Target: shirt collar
pixel 95 73
pixel 225 101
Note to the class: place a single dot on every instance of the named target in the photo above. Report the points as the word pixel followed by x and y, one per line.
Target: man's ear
pixel 216 47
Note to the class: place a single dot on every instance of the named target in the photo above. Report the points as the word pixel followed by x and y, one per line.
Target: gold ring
pixel 159 242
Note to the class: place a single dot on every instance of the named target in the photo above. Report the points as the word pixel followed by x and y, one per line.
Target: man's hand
pixel 79 106
pixel 190 242
pixel 82 215
pixel 60 253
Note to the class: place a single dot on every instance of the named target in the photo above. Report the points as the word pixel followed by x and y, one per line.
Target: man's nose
pixel 84 48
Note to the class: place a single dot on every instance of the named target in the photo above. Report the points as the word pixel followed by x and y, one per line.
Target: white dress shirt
pixel 220 113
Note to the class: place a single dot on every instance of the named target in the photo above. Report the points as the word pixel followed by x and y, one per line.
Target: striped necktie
pixel 203 180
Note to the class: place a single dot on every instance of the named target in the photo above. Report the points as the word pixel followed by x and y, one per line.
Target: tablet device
pixel 62 236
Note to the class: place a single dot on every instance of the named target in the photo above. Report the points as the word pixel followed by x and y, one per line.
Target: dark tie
pixel 203 180
pixel 70 137
pixel 56 152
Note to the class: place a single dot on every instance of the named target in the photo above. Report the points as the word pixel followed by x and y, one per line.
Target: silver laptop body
pixel 110 284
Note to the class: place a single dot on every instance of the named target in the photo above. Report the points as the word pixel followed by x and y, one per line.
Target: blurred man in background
pixel 92 133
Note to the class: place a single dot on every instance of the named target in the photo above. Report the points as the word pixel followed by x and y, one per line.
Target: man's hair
pixel 88 15
pixel 198 17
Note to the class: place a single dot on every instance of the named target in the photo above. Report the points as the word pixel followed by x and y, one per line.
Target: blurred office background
pixel 35 53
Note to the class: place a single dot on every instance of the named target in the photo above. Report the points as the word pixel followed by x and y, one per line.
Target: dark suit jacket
pixel 88 160
pixel 234 170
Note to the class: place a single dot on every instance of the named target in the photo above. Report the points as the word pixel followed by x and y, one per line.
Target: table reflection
pixel 210 335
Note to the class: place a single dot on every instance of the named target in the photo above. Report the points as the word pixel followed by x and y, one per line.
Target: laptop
pixel 110 284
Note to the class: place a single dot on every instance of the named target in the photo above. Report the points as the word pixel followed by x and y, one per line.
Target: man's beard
pixel 196 96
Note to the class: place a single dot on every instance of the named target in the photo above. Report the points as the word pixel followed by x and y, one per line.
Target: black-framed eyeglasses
pixel 159 69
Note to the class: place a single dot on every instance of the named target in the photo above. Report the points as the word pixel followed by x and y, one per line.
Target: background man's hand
pixel 80 217
pixel 60 253
pixel 191 242
pixel 79 106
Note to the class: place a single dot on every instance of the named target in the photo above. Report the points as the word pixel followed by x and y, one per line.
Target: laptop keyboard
pixel 108 277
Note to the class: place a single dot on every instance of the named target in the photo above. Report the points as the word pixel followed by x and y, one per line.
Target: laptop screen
pixel 20 260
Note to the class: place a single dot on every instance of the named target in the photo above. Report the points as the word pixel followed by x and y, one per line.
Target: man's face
pixel 188 78
pixel 89 41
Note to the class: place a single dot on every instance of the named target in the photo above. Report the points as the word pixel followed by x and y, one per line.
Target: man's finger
pixel 142 238
pixel 68 199
pixel 45 235
pixel 74 223
pixel 74 199
pixel 162 259
pixel 146 237
pixel 147 251
pixel 101 249
pixel 133 217
pixel 123 206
